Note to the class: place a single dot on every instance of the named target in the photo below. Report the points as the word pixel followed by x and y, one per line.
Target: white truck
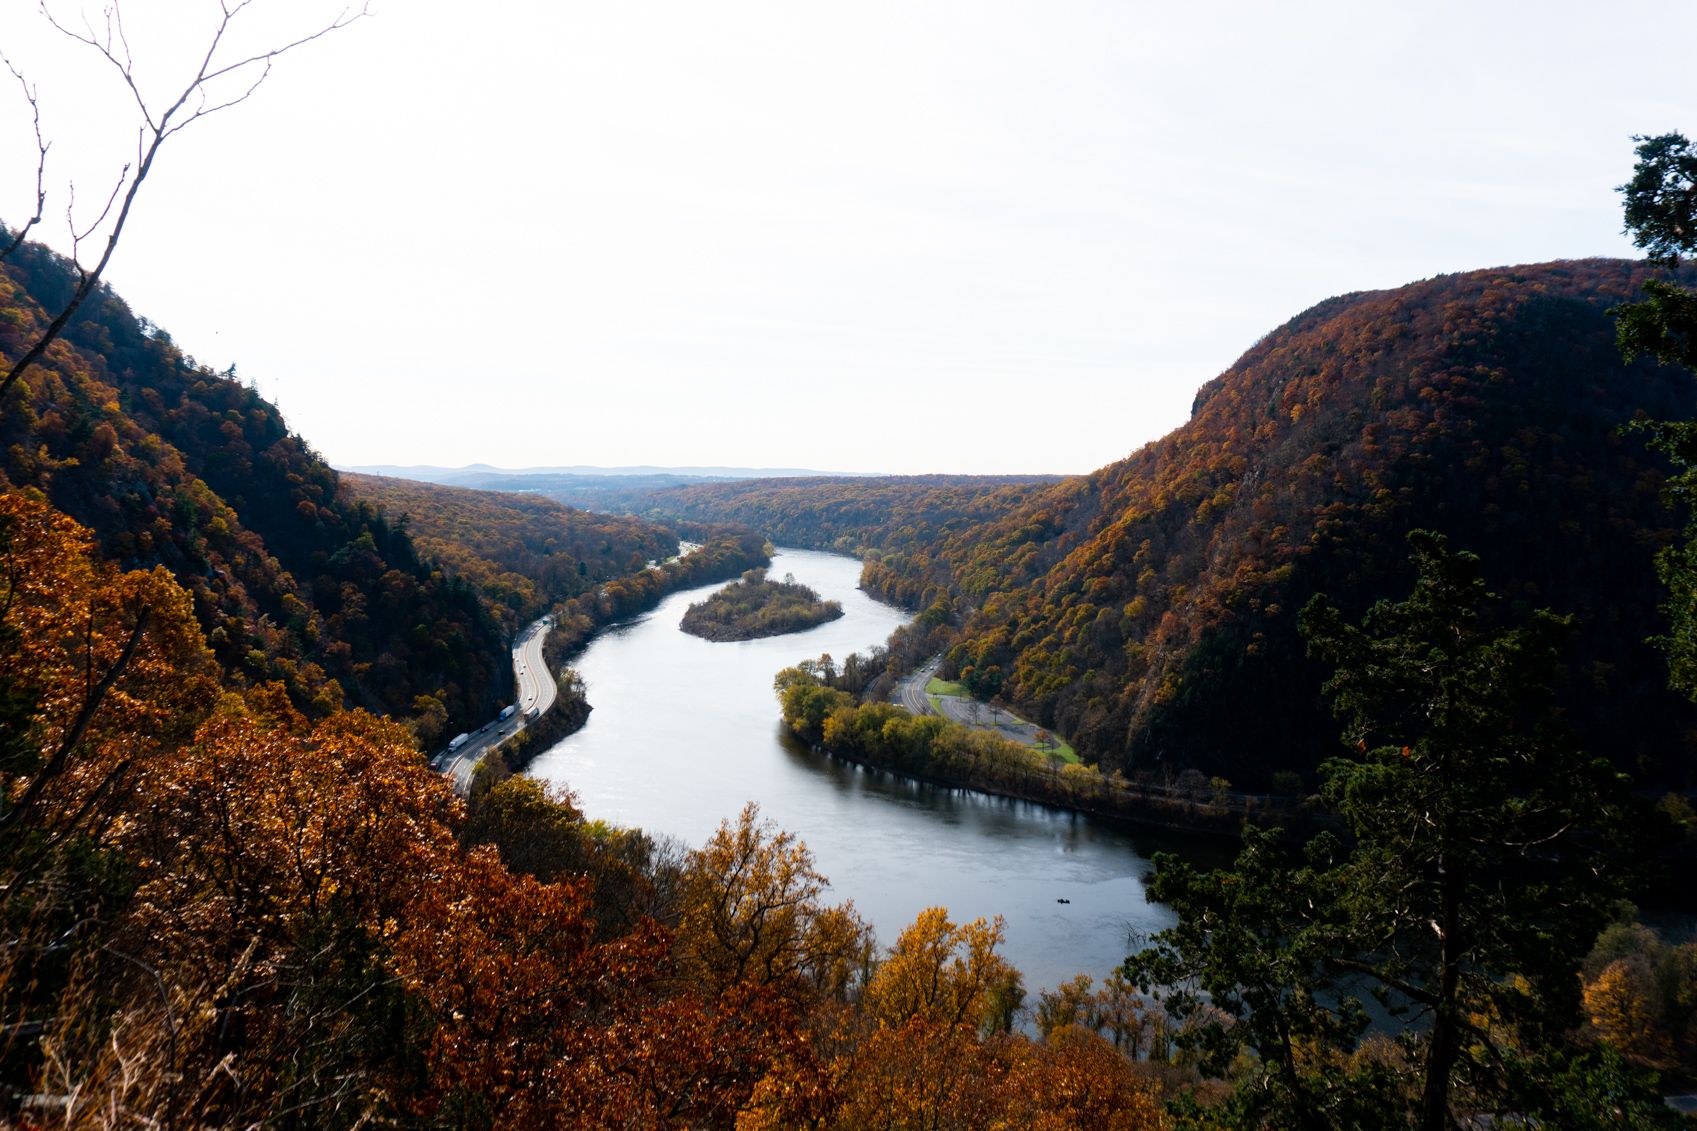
pixel 507 712
pixel 459 741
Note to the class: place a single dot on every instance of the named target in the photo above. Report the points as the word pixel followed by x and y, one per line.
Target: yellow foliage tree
pixel 1622 1005
pixel 940 973
pixel 112 662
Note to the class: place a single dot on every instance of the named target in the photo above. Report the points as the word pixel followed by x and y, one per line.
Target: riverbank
pixel 567 715
pixel 941 752
pixel 684 733
pixel 574 623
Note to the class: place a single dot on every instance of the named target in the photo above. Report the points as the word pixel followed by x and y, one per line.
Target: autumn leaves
pixel 219 912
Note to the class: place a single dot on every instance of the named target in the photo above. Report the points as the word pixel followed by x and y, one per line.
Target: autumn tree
pixel 943 974
pixel 102 676
pixel 1641 996
pixel 753 912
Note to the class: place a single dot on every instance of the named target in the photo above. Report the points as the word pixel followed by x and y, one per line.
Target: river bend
pixel 684 731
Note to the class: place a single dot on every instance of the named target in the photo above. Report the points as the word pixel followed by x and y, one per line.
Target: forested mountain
pixel 168 463
pixel 1148 610
pixel 524 552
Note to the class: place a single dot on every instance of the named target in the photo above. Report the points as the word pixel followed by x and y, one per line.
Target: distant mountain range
pixel 481 474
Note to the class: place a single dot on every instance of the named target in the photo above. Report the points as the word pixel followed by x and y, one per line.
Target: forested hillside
pixel 525 553
pixel 168 463
pixel 1148 610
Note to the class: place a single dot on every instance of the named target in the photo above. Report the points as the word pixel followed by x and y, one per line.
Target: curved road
pixel 537 689
pixel 910 692
pixel 536 694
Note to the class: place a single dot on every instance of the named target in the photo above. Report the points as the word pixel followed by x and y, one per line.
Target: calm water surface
pixel 685 731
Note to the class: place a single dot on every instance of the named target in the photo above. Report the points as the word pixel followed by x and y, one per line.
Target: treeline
pixel 722 554
pixel 523 552
pixel 933 749
pixel 292 579
pixel 757 606
pixel 872 674
pixel 217 912
pixel 868 517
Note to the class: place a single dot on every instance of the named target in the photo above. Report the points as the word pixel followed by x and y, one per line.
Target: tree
pixel 1483 856
pixel 1483 864
pixel 1622 1004
pixel 1248 967
pixel 1661 197
pixel 223 79
pixel 941 974
pixel 1661 214
pixel 752 913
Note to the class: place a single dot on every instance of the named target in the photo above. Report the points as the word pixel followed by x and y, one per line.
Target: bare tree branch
pixel 40 160
pixel 77 237
pixel 113 46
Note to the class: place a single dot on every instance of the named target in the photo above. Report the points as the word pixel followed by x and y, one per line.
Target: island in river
pixel 757 607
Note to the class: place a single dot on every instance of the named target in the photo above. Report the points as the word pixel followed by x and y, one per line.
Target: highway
pixel 536 693
pixel 535 683
pixel 910 692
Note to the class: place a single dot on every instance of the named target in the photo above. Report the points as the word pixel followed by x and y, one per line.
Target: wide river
pixel 685 731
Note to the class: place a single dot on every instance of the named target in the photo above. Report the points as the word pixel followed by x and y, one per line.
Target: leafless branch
pixel 77 237
pixel 40 160
pixel 113 45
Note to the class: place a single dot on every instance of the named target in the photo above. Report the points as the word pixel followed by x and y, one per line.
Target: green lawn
pixel 945 687
pixel 1060 748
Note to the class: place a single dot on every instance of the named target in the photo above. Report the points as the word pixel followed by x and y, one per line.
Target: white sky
pixel 900 236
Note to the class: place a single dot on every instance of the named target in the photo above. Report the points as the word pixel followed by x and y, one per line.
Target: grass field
pixel 1059 748
pixel 939 688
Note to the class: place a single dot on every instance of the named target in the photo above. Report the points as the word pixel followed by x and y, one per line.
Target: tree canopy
pixel 1481 853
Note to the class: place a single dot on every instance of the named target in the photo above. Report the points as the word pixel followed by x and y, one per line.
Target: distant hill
pixel 911 513
pixel 1148 610
pixel 610 489
pixel 525 553
pixel 169 463
pixel 482 474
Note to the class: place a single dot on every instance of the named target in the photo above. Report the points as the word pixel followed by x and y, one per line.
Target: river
pixel 685 731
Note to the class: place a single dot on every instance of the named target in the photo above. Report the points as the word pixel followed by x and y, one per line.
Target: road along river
pixel 684 731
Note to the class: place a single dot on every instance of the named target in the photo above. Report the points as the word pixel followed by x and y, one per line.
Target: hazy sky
pixel 898 236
